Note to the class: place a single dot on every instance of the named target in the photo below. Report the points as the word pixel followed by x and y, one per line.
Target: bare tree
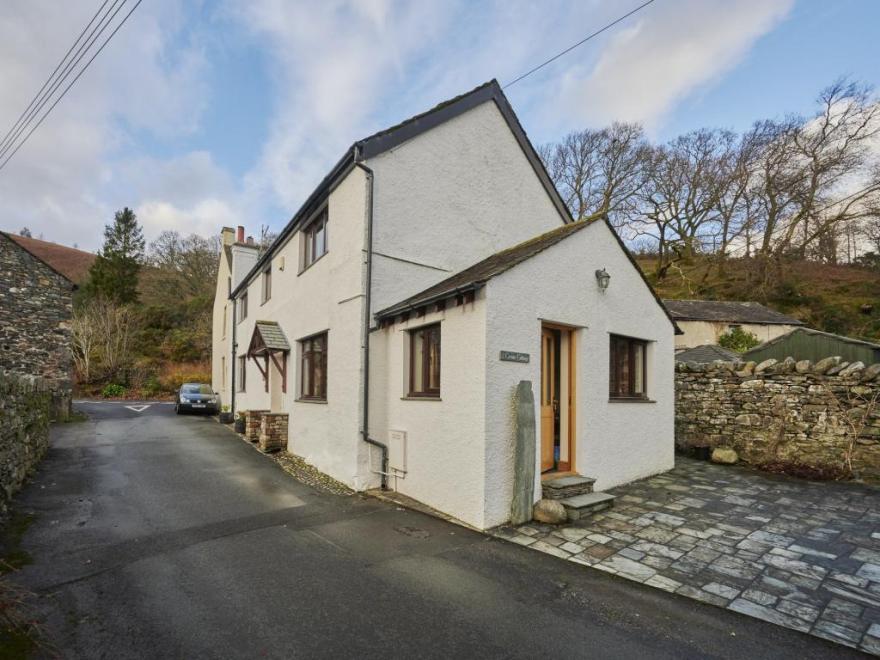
pixel 187 264
pixel 84 336
pixel 806 168
pixel 598 171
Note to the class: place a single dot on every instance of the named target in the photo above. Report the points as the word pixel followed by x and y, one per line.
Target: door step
pixel 565 487
pixel 581 506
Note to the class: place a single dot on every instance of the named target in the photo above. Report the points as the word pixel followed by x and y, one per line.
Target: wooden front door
pixel 549 399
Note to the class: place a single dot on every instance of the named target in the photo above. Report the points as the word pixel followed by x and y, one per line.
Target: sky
pixel 204 114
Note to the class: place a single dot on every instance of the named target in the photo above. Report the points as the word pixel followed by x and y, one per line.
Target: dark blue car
pixel 197 397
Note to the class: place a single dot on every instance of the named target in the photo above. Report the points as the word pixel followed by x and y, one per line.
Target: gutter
pixel 365 339
pixel 232 382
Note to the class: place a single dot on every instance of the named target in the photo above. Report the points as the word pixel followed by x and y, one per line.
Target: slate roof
pixel 811 331
pixel 727 312
pixel 475 276
pixel 68 262
pixel 707 353
pixel 273 335
pixel 408 129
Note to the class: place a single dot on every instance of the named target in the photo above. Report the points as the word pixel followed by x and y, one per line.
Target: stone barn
pixel 36 306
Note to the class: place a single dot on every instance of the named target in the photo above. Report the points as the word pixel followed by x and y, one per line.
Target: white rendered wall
pixel 615 442
pixel 699 333
pixel 220 338
pixel 445 455
pixel 449 198
pixel 325 297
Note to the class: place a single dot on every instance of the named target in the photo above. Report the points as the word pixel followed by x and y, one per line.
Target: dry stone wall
pixel 24 429
pixel 822 417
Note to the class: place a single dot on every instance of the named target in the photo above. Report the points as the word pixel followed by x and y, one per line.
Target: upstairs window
pixel 628 368
pixel 242 307
pixel 267 284
pixel 424 361
pixel 313 368
pixel 315 240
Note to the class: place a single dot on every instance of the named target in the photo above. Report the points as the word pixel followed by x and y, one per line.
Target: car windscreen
pixel 196 389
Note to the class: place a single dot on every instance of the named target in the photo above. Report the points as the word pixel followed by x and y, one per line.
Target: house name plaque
pixel 513 356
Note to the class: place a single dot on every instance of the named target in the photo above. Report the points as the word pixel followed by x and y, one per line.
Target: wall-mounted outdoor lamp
pixel 602 278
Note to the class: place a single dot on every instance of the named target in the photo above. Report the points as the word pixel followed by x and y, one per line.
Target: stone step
pixel 581 506
pixel 563 487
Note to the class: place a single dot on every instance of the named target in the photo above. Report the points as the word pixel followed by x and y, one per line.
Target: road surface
pixel 158 536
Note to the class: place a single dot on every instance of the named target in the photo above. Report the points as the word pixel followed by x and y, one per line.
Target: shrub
pixel 112 390
pixel 737 339
pixel 175 375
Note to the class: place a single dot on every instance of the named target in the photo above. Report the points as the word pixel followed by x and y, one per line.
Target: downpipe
pixel 232 382
pixel 365 339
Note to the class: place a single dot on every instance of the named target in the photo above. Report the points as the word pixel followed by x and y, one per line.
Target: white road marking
pixel 138 408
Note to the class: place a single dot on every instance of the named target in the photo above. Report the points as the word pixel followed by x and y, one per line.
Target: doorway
pixel 557 398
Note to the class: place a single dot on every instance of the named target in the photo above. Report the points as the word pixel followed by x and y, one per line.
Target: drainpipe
pixel 365 346
pixel 232 374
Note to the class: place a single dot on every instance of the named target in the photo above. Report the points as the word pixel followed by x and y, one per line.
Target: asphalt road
pixel 158 536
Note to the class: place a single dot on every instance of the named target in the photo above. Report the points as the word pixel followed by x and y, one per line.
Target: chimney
pixel 227 236
pixel 239 237
pixel 250 240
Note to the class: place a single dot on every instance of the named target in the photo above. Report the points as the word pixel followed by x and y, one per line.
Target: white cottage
pixel 431 271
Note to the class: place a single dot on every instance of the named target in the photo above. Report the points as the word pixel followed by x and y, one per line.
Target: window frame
pixel 616 368
pixel 425 390
pixel 309 239
pixel 241 385
pixel 243 306
pixel 266 285
pixel 308 368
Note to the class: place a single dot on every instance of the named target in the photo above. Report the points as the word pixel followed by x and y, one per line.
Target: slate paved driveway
pixel 804 555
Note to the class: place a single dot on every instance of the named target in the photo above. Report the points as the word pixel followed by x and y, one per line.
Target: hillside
pixel 840 299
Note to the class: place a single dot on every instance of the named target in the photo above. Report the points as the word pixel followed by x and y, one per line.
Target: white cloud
pixel 670 50
pixel 340 70
pixel 149 78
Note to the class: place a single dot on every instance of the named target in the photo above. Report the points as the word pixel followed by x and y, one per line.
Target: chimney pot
pixel 239 237
pixel 250 240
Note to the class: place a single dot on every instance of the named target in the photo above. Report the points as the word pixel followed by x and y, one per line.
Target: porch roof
pixel 268 337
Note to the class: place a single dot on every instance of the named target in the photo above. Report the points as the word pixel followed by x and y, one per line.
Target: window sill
pixel 313 263
pixel 420 398
pixel 630 400
pixel 306 400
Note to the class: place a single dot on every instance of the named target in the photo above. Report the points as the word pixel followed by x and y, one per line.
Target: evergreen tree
pixel 114 275
pixel 25 232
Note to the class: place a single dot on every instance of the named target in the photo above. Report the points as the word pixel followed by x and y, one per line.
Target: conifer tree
pixel 114 275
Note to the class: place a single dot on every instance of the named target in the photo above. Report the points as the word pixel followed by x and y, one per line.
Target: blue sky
pixel 201 114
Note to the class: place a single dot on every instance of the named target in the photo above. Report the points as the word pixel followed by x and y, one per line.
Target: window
pixel 424 361
pixel 267 284
pixel 242 307
pixel 223 372
pixel 242 372
pixel 315 240
pixel 628 368
pixel 225 311
pixel 313 368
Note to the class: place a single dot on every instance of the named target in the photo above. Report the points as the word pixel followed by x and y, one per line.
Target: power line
pixel 49 79
pixel 73 82
pixel 582 41
pixel 81 52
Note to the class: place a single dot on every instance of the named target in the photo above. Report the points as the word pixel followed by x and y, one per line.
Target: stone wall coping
pixel 828 367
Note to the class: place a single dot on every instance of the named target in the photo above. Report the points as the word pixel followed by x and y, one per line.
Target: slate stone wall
pixel 824 415
pixel 24 429
pixel 36 306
